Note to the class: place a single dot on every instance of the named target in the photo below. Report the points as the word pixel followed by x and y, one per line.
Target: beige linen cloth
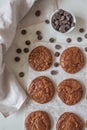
pixel 12 96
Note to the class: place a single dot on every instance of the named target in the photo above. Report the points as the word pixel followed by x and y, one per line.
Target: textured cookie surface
pixel 41 89
pixel 70 91
pixel 72 60
pixel 40 58
pixel 38 120
pixel 69 121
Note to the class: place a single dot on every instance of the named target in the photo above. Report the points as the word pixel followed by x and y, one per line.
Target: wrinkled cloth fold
pixel 12 95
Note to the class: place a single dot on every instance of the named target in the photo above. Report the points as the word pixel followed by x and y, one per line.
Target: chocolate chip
pixel 28 42
pixel 47 21
pixel 61 11
pixel 17 59
pixel 67 18
pixel 58 47
pixel 23 32
pixel 56 64
pixel 66 13
pixel 26 50
pixel 38 32
pixel 21 74
pixel 62 29
pixel 68 40
pixel 18 50
pixel 63 17
pixel 85 35
pixel 54 72
pixel 52 40
pixel 40 37
pixel 73 24
pixel 38 13
pixel 81 30
pixel 86 49
pixel 57 54
pixel 79 39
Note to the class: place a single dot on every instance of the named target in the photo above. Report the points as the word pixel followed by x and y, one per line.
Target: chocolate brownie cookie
pixel 72 60
pixel 40 58
pixel 70 91
pixel 69 121
pixel 41 89
pixel 38 120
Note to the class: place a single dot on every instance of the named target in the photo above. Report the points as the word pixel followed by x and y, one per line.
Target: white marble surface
pixel 55 107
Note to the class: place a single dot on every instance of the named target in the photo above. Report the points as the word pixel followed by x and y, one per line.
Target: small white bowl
pixel 74 21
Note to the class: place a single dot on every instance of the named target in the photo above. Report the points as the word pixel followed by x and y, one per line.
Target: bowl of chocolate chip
pixel 63 21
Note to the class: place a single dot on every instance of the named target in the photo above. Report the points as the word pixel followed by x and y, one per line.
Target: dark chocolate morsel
pixel 38 13
pixel 26 50
pixel 52 40
pixel 86 49
pixel 23 32
pixel 79 39
pixel 18 50
pixel 38 32
pixel 68 40
pixel 56 64
pixel 85 35
pixel 54 72
pixel 17 59
pixel 47 21
pixel 81 30
pixel 40 37
pixel 28 42
pixel 21 74
pixel 57 54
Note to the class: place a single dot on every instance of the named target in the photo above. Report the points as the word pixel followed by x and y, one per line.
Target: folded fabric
pixel 12 95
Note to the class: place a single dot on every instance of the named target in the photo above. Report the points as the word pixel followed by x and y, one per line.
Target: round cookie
pixel 38 120
pixel 41 89
pixel 70 91
pixel 69 121
pixel 40 58
pixel 72 60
